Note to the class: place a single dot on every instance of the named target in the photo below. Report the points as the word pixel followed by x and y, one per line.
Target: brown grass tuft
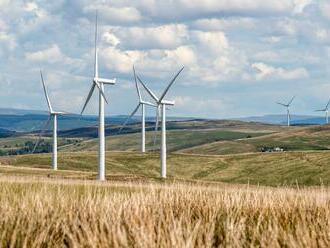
pixel 57 213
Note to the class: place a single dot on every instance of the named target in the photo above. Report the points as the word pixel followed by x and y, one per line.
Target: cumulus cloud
pixel 222 44
pixel 7 41
pixel 207 56
pixel 159 37
pixel 115 15
pixel 50 55
pixel 121 61
pixel 265 71
pixel 300 5
pixel 216 24
pixel 177 10
pixel 325 9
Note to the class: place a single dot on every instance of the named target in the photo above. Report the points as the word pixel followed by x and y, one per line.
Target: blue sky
pixel 240 56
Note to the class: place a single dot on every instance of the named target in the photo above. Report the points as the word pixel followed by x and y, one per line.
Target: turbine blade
pixel 41 133
pixel 101 91
pixel 136 85
pixel 128 118
pixel 148 90
pixel 327 105
pixel 284 105
pixel 88 97
pixel 170 84
pixel 45 91
pixel 291 101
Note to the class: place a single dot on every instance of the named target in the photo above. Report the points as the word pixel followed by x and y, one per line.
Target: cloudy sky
pixel 240 56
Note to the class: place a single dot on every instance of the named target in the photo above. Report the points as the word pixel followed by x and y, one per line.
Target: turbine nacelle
pixel 166 102
pixel 104 80
pixel 58 113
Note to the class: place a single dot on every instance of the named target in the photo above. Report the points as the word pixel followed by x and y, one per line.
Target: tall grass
pixel 54 213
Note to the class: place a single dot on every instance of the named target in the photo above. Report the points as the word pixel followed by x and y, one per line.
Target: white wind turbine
pixel 326 110
pixel 99 83
pixel 287 106
pixel 141 105
pixel 52 114
pixel 161 104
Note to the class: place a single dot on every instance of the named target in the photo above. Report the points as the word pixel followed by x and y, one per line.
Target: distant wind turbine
pixel 99 83
pixel 141 105
pixel 326 110
pixel 52 114
pixel 161 104
pixel 287 106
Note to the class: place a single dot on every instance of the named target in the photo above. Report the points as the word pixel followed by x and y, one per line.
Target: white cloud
pixel 300 5
pixel 120 61
pixel 272 39
pixel 111 39
pixel 206 55
pixel 7 41
pixel 159 37
pixel 4 3
pixel 265 71
pixel 213 42
pixel 50 55
pixel 325 9
pixel 267 56
pixel 214 24
pixel 178 10
pixel 115 15
pixel 216 40
pixel 287 26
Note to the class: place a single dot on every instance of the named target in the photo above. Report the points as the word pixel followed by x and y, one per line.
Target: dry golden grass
pixel 37 212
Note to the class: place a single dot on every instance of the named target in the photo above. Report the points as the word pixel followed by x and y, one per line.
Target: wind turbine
pixel 161 105
pixel 52 114
pixel 141 105
pixel 326 110
pixel 99 83
pixel 287 109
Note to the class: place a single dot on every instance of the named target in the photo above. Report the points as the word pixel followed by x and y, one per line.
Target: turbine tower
pixel 52 114
pixel 99 83
pixel 287 106
pixel 142 103
pixel 326 110
pixel 161 104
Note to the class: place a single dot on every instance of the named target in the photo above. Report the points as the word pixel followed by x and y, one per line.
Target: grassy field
pixel 274 169
pixel 57 213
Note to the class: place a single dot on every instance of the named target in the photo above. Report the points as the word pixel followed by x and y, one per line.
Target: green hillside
pixel 176 140
pixel 297 139
pixel 304 168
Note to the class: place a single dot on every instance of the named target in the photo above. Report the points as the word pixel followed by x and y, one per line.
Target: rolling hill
pixel 182 134
pixel 293 139
pixel 273 169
